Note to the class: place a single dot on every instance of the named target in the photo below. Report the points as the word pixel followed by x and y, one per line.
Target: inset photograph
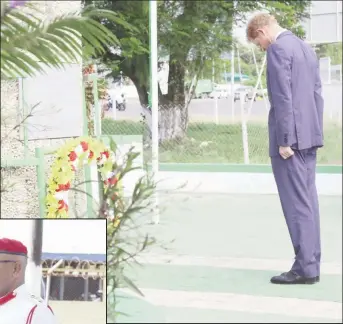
pixel 52 271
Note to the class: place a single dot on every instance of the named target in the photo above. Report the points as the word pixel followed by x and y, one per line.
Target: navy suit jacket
pixel 294 90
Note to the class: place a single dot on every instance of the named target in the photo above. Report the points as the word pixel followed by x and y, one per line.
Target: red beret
pixel 10 246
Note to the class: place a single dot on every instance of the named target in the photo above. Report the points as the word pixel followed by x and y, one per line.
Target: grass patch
pixel 211 143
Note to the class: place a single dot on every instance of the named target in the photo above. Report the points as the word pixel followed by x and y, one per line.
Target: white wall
pixel 59 96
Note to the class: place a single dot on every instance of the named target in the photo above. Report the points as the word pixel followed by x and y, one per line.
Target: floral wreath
pixel 71 157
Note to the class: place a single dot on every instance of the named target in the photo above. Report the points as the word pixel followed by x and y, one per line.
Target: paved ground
pixel 221 252
pixel 77 312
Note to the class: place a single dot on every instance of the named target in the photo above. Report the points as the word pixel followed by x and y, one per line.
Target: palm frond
pixel 30 43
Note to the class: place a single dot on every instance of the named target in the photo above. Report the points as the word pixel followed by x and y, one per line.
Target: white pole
pixel 114 105
pixel 257 83
pixel 239 66
pixel 329 70
pixel 233 83
pixel 34 270
pixel 215 96
pixel 260 83
pixel 154 102
pixel 225 72
pixel 244 130
pixel 48 279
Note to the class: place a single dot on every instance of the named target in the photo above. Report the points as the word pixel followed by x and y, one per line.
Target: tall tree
pixel 190 32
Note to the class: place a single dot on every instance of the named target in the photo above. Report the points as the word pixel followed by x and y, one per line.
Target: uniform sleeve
pixel 279 69
pixel 43 315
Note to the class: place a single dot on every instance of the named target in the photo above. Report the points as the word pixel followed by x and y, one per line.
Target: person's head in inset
pixel 262 30
pixel 13 261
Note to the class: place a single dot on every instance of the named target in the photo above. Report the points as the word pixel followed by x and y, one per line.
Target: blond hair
pixel 259 21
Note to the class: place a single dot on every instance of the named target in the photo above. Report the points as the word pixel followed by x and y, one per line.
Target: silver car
pixel 247 91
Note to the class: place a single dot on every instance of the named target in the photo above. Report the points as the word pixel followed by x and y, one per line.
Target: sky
pixel 61 236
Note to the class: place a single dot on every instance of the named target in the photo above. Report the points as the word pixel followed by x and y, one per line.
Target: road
pixel 204 109
pixel 201 110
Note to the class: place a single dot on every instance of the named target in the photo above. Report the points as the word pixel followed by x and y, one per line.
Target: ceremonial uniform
pixel 19 306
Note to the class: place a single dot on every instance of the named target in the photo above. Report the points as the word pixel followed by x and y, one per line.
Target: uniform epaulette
pixel 38 299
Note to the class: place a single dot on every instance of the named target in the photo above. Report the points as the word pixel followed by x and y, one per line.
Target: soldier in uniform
pixel 17 305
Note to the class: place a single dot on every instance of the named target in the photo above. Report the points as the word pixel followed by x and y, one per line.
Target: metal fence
pixel 216 128
pixel 74 280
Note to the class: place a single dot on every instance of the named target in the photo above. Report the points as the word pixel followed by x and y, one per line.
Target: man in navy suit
pixel 295 126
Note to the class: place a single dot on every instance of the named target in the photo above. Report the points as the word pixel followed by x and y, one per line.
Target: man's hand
pixel 286 152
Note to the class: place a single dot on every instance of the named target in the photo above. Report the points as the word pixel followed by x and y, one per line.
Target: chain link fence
pixel 77 291
pixel 75 280
pixel 209 129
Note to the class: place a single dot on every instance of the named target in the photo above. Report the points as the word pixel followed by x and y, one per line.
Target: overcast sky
pixel 61 236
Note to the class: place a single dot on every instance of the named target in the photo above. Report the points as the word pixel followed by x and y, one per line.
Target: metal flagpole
pixel 243 117
pixel 257 73
pixel 256 85
pixel 154 102
pixel 233 83
pixel 215 96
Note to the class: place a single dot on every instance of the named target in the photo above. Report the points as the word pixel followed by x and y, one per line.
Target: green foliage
pixel 27 41
pixel 124 243
pixel 289 14
pixel 192 33
pixel 333 50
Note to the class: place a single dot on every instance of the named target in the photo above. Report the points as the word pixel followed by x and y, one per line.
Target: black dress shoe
pixel 291 278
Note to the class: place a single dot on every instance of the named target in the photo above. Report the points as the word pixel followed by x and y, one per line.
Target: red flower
pixel 61 204
pixel 113 181
pixel 67 186
pixel 106 153
pixel 72 156
pixel 84 146
pixel 91 154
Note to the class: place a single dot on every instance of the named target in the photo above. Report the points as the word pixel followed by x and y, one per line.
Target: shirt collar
pixel 20 289
pixel 279 33
pixel 14 292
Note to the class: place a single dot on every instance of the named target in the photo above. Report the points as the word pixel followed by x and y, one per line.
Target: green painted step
pixel 191 315
pixel 250 226
pixel 136 310
pixel 140 311
pixel 249 282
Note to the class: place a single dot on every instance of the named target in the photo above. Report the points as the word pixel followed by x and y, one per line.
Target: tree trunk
pixel 173 121
pixel 173 109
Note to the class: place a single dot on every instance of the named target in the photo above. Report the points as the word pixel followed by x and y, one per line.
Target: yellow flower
pixel 61 171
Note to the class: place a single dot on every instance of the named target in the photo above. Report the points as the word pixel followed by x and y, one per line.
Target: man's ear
pixel 18 267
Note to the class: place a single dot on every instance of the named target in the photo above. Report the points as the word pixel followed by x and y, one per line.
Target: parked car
pixel 219 93
pixel 247 91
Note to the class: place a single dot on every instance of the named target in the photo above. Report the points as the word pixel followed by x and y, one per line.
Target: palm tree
pixel 29 39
